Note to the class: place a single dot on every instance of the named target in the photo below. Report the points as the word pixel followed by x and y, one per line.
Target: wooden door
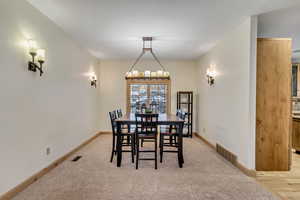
pixel 273 105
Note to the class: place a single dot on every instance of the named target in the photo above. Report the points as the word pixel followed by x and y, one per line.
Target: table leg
pixel 180 145
pixel 119 145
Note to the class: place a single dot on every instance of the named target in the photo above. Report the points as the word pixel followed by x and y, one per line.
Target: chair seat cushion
pixel 147 136
pixel 169 134
pixel 124 126
pixel 167 131
pixel 125 131
pixel 164 129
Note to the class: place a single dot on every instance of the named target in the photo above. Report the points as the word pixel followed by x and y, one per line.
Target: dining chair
pixel 130 138
pixel 147 130
pixel 130 128
pixel 168 138
pixel 125 126
pixel 167 129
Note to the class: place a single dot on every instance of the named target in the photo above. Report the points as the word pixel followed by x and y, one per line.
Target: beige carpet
pixel 205 176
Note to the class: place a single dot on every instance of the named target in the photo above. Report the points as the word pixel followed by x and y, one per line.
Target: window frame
pixel 130 82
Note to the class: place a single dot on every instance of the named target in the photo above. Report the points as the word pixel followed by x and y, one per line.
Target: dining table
pixel 163 119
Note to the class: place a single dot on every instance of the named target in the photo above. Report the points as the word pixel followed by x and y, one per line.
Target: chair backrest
pixel 137 107
pixel 113 117
pixel 146 123
pixel 119 113
pixel 154 107
pixel 182 115
pixel 143 107
pixel 178 112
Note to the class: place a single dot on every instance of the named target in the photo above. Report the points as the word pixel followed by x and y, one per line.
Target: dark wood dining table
pixel 163 119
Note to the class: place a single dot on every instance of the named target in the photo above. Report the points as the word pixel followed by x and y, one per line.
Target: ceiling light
pixel 160 74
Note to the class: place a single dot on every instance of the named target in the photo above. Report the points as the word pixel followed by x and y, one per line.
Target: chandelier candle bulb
pixel 147 73
pixel 135 73
pixel 160 73
pixel 166 74
pixel 153 74
pixel 128 74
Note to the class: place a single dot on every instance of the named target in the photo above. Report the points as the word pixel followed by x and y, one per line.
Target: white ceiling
pixel 282 23
pixel 183 29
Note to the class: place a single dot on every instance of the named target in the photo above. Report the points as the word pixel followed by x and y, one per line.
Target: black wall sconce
pixel 211 74
pixel 93 79
pixel 39 54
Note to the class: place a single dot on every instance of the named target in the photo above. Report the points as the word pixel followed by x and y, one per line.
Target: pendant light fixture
pixel 135 74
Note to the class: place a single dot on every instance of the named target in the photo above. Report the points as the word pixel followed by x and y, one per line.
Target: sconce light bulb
pixel 32 47
pixel 211 72
pixel 93 76
pixel 207 71
pixel 41 53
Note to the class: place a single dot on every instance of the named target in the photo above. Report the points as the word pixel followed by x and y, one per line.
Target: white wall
pixel 283 23
pixel 225 110
pixel 113 83
pixel 58 110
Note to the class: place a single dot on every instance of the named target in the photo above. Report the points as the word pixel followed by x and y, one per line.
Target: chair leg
pixel 161 147
pixel 132 148
pixel 113 148
pixel 134 144
pixel 137 152
pixel 155 152
pixel 128 139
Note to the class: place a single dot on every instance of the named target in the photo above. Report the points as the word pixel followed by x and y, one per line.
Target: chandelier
pixel 135 74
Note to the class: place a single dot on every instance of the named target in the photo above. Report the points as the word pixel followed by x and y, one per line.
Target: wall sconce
pixel 93 79
pixel 211 74
pixel 39 53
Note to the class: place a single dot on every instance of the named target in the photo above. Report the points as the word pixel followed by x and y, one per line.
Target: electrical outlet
pixel 48 151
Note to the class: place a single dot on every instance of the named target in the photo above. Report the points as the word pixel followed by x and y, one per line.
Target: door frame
pixel 130 82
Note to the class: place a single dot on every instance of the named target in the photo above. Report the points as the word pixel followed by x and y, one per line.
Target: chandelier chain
pixel 144 51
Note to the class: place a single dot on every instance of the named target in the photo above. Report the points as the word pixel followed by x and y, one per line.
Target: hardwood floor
pixel 285 184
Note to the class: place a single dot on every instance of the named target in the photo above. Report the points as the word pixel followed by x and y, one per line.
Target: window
pixel 154 94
